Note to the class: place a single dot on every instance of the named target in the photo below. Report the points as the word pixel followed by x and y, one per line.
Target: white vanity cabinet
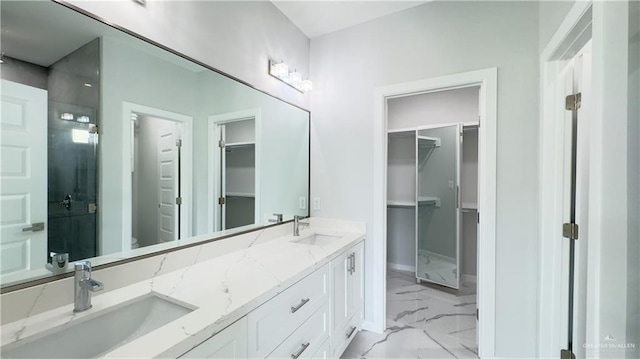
pixel 347 297
pixel 314 318
pixel 274 321
pixel 230 343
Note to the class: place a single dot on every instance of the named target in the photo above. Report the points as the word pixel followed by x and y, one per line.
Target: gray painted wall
pixel 24 73
pixel 552 13
pixel 436 108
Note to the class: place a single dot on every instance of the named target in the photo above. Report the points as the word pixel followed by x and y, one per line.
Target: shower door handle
pixel 35 227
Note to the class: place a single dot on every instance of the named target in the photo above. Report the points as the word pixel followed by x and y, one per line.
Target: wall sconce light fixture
pixel 280 70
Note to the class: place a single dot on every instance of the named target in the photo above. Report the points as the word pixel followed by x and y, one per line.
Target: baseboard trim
pixel 402 267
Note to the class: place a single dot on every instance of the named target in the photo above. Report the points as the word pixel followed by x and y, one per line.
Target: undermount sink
pixel 99 335
pixel 317 239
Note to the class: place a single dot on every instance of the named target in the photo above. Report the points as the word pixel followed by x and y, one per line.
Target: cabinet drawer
pixel 307 339
pixel 271 323
pixel 324 352
pixel 229 343
pixel 341 338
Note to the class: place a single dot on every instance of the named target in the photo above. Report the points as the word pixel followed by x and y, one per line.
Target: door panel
pixel 23 177
pixel 438 205
pixel 168 183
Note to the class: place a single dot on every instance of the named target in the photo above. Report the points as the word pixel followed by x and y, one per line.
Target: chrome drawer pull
pixel 300 351
pixel 353 329
pixel 302 303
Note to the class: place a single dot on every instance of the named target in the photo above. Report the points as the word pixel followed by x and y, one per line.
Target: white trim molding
pixel 487 79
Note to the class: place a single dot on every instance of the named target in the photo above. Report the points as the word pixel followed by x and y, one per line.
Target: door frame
pixel 608 187
pixel 186 169
pixel 213 133
pixel 566 43
pixel 487 79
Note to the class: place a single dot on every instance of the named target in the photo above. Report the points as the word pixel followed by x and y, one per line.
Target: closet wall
pixel 409 113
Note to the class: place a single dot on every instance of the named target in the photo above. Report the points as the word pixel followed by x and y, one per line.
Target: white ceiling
pixel 316 18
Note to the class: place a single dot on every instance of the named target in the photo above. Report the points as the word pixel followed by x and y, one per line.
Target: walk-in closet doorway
pixel 432 188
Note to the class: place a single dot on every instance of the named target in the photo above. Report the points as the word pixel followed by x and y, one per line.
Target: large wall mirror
pixel 114 148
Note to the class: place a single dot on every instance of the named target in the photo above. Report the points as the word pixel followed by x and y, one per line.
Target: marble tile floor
pixel 422 322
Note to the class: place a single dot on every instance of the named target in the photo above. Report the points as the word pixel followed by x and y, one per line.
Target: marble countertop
pixel 221 291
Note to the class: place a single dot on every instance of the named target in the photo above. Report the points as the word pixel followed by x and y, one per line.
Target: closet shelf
pixel 469 206
pixel 428 142
pixel 240 194
pixel 239 144
pixel 400 204
pixel 429 201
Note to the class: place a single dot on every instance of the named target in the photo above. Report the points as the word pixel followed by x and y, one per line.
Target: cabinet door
pixel 229 343
pixel 356 279
pixel 340 293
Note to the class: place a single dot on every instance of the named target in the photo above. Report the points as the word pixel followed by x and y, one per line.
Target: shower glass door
pixel 438 210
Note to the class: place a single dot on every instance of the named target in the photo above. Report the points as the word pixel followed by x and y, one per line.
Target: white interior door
pixel 168 182
pixel 23 174
pixel 223 179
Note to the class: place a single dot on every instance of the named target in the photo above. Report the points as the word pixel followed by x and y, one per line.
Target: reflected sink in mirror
pixel 317 240
pixel 99 335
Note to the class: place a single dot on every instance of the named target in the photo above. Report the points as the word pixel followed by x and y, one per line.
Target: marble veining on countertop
pixel 221 291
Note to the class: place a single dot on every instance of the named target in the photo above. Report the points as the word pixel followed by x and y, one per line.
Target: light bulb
pixel 281 70
pixel 306 85
pixel 295 78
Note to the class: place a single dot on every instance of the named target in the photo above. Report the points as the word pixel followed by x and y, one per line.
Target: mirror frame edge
pixel 52 278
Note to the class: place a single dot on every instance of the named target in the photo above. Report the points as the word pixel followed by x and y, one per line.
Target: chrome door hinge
pixel 477 314
pixel 221 143
pixel 570 230
pixel 221 201
pixel 178 200
pixel 573 102
pixel 93 128
pixel 179 142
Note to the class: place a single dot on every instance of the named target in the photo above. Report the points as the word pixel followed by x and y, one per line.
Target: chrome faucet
pixel 297 224
pixel 83 285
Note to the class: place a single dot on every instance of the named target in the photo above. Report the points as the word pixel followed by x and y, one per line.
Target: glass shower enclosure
pixel 438 214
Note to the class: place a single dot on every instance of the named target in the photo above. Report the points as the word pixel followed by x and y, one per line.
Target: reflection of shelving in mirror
pixel 429 201
pixel 469 207
pixel 238 145
pixel 241 194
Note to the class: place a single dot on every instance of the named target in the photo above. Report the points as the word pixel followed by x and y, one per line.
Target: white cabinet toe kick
pixel 317 317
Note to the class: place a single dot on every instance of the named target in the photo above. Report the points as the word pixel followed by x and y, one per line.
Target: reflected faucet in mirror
pixel 278 218
pixel 58 263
